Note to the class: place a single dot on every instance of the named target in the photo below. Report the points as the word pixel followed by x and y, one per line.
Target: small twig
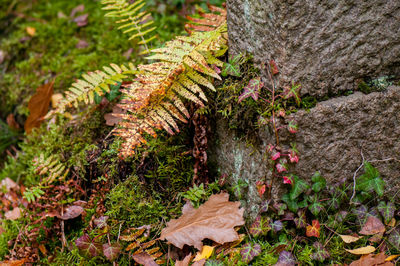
pixel 354 177
pixel 119 231
pixel 245 227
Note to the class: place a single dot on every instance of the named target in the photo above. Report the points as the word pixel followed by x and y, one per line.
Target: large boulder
pixel 327 46
pixel 333 138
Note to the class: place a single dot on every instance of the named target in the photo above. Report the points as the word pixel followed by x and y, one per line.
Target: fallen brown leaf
pixel 9 184
pixel 81 20
pixel 214 220
pixel 199 263
pixel 13 262
pixel 79 8
pixel 372 226
pixel 376 238
pixel 372 260
pixel 144 259
pixel 38 106
pixel 361 251
pixel 72 212
pixel 185 261
pixel 13 214
pixel 31 31
pixel 349 238
pixel 111 119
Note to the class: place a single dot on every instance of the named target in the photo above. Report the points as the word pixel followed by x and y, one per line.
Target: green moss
pixel 12 228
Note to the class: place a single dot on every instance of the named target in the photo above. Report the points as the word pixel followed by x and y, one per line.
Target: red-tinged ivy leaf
pixel 281 168
pixel 292 127
pixel 261 186
pixel 394 239
pixel 111 252
pixel 320 253
pixel 313 230
pixel 275 155
pixel 101 221
pixel 286 259
pixel 232 67
pixel 386 210
pixel 260 226
pixel 250 251
pixel 274 67
pixel 87 246
pixel 293 92
pixel 277 226
pixel 300 221
pixel 252 89
pixel 288 179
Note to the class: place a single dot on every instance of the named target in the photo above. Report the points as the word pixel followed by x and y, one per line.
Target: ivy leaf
pixel 286 259
pixel 394 239
pixel 386 210
pixel 320 253
pixel 274 67
pixel 319 182
pixel 249 251
pixel 292 92
pixel 252 89
pixel 264 206
pixel 370 180
pixel 232 68
pixel 277 226
pixel 298 187
pixel 88 246
pixel 260 226
pixel 291 204
pixel 315 207
pixel 300 221
pixel 111 252
pixel 313 230
pixel 101 221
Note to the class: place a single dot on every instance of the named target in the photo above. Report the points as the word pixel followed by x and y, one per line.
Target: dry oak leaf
pixel 372 260
pixel 185 261
pixel 38 106
pixel 372 226
pixel 215 220
pixel 14 214
pixel 144 259
pixel 72 212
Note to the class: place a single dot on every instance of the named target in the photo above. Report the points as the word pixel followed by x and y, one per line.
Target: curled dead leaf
pixel 215 220
pixel 185 261
pixel 372 226
pixel 72 212
pixel 361 251
pixel 144 259
pixel 349 238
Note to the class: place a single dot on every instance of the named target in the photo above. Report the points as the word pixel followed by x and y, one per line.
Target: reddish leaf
pixel 274 67
pixel 275 155
pixel 111 251
pixel 144 259
pixel 313 230
pixel 79 8
pixel 281 168
pixel 260 226
pixel 287 180
pixel 101 221
pixel 81 20
pixel 38 106
pixel 260 187
pixel 12 123
pixel 88 247
pixel 372 226
pixel 252 89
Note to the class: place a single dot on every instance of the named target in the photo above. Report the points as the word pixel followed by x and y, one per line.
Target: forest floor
pixel 103 210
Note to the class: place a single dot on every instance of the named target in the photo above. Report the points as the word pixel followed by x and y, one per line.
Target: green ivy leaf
pixel 232 68
pixel 386 210
pixel 291 204
pixel 301 221
pixel 251 90
pixel 298 187
pixel 320 253
pixel 249 251
pixel 370 180
pixel 319 182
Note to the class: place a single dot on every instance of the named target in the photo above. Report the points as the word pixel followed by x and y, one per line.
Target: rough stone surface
pixel 326 45
pixel 330 139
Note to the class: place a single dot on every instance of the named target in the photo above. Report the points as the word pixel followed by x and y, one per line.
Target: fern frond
pixel 154 100
pixel 98 82
pixel 207 21
pixel 138 24
pixel 50 168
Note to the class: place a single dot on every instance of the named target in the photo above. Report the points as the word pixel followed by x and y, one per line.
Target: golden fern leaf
pixel 133 21
pixel 98 82
pixel 208 21
pixel 50 168
pixel 153 100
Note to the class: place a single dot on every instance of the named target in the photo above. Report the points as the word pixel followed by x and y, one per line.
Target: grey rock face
pixel 330 139
pixel 325 45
